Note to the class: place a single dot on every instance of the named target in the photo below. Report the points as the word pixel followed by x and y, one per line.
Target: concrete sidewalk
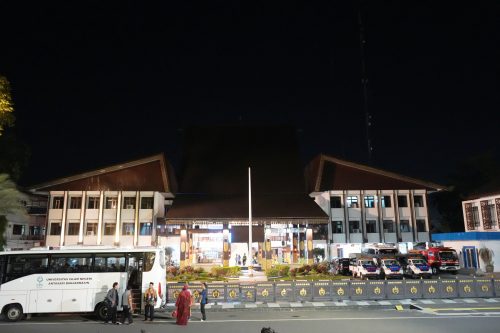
pixel 260 306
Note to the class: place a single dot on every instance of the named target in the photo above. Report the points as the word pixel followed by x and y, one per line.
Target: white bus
pixel 77 279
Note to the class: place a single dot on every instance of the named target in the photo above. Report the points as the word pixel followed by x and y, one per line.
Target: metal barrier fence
pixel 306 291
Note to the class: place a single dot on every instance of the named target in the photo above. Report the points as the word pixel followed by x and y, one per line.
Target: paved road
pixel 456 319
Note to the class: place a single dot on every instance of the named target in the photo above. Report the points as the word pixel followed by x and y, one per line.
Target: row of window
pixel 371 201
pixel 371 226
pixel 93 202
pixel 490 212
pixel 22 229
pixel 16 266
pixel 109 228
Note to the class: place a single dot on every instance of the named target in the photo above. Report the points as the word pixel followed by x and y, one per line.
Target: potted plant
pixel 486 255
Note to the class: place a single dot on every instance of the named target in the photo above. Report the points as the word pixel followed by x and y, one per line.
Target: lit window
pixel 370 201
pixel 352 202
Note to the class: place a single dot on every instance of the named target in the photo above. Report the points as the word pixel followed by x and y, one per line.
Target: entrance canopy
pixel 266 209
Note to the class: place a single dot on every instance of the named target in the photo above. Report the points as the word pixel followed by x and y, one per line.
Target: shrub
pixel 225 271
pixel 283 269
pixel 293 272
pixel 274 272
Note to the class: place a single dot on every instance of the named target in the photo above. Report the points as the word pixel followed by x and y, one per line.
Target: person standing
pixel 203 300
pixel 112 304
pixel 150 297
pixel 128 307
pixel 244 259
pixel 183 306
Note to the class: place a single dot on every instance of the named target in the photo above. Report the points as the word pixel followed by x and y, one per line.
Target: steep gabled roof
pixel 326 173
pixel 151 173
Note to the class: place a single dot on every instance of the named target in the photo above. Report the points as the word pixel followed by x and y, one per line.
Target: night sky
pixel 100 82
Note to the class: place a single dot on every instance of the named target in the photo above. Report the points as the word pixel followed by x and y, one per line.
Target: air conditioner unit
pixel 355 231
pixel 130 206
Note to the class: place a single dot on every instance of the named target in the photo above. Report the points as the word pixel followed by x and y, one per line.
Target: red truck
pixel 441 259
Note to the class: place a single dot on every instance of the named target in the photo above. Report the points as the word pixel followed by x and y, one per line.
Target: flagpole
pixel 250 255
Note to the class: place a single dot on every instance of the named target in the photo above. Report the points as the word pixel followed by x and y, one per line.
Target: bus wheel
pixel 434 270
pixel 14 312
pixel 101 311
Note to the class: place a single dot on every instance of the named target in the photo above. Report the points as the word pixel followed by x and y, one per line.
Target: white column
pixel 63 222
pixel 101 212
pixel 118 218
pixel 82 217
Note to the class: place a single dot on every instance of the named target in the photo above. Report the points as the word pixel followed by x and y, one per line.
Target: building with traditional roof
pixel 122 204
pixel 211 209
pixel 368 205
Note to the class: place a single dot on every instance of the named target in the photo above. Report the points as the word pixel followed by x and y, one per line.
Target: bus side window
pixel 22 265
pixel 110 262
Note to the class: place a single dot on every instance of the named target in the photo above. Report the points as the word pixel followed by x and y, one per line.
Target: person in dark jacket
pixel 112 303
pixel 203 301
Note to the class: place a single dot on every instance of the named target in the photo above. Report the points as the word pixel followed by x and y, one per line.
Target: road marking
pixel 318 304
pixel 466 300
pixel 384 302
pixel 449 301
pixel 490 300
pixel 363 303
pixel 463 309
pixel 427 301
pixel 263 320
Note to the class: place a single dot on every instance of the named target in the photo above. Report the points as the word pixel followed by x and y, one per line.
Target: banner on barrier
pixel 484 288
pixel 284 292
pixel 321 291
pixel 466 288
pixel 395 290
pixel 413 289
pixel 358 290
pixel 448 288
pixel 430 289
pixel 247 292
pixel 232 292
pixel 496 283
pixel 303 291
pixel 340 290
pixel 264 292
pixel 376 289
pixel 216 292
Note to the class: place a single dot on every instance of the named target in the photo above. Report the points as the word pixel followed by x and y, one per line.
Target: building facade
pixel 120 205
pixel 25 231
pixel 368 205
pixel 482 212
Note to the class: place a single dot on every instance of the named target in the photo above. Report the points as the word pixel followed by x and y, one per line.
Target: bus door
pixel 3 268
pixel 135 267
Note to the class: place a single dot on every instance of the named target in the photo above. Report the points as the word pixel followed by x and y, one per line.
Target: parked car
pixel 340 266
